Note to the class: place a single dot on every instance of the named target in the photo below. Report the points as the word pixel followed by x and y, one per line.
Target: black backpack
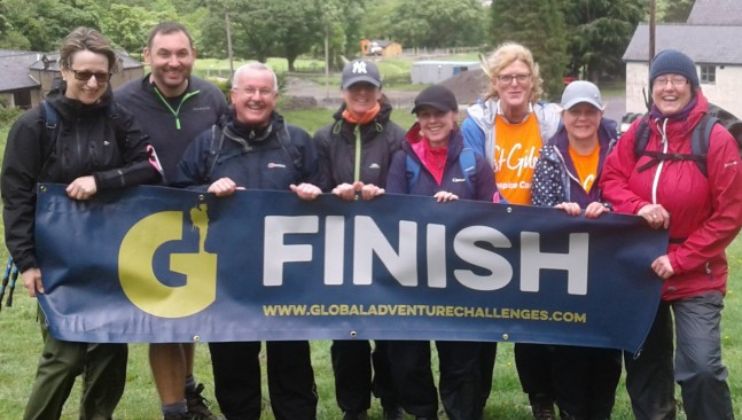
pixel 700 138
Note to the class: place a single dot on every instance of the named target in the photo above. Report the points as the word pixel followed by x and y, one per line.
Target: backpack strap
pixel 215 149
pixel 412 169
pixel 468 164
pixel 50 117
pixel 700 139
pixel 699 146
pixel 641 137
pixel 284 138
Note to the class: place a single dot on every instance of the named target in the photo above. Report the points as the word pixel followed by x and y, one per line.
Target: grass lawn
pixel 21 344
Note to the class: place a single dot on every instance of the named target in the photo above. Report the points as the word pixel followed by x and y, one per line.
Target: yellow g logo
pixel 137 276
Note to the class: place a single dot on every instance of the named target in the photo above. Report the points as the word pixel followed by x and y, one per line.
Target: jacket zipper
pixel 176 112
pixel 357 167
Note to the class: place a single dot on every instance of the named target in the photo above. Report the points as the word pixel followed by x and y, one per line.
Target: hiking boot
pixel 355 415
pixel 198 406
pixel 393 413
pixel 542 407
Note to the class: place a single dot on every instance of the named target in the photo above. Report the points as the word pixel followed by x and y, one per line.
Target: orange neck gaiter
pixel 361 119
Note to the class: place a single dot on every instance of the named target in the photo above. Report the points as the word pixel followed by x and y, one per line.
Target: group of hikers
pixel 173 128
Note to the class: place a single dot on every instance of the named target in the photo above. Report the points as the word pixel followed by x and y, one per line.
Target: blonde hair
pixel 504 55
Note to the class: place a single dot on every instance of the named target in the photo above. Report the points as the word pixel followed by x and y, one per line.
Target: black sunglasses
pixel 85 75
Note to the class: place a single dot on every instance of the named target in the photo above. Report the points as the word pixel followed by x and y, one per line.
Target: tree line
pixel 577 37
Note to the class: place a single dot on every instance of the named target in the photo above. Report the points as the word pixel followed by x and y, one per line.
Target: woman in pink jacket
pixel 699 199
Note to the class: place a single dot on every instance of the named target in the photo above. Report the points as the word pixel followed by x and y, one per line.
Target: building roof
pixel 716 12
pixel 50 62
pixel 718 44
pixel 14 66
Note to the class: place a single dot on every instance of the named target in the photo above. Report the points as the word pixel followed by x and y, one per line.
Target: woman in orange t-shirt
pixel 565 177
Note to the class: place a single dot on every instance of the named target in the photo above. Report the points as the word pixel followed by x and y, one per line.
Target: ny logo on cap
pixel 359 67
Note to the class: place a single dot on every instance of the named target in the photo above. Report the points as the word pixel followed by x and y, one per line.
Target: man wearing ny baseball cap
pixel 354 154
pixel 566 177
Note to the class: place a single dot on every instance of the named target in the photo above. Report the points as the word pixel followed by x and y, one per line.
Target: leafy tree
pixel 599 32
pixel 539 25
pixel 677 10
pixel 40 25
pixel 438 23
pixel 376 22
pixel 263 28
pixel 128 26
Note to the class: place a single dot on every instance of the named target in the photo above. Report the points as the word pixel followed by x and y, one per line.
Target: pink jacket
pixel 705 213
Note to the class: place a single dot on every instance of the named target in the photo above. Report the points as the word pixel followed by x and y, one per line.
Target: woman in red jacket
pixel 667 186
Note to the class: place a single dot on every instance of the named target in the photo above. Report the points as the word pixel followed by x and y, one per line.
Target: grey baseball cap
pixel 581 91
pixel 360 71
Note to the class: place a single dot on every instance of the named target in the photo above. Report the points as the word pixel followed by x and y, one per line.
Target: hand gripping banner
pixel 155 264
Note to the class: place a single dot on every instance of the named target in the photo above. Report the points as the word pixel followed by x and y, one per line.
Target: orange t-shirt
pixel 517 149
pixel 586 166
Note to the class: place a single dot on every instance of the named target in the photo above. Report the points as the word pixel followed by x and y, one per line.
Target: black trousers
pixel 236 367
pixel 534 365
pixel 351 364
pixel 465 377
pixel 585 380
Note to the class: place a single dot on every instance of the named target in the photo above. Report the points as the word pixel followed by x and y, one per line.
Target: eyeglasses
pixel 508 78
pixel 675 81
pixel 85 75
pixel 250 91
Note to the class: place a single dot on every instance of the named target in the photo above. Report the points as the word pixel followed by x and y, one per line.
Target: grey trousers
pixel 698 368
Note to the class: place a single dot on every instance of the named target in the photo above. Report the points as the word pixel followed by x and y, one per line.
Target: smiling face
pixel 171 58
pixel 254 96
pixel 582 121
pixel 361 97
pixel 436 125
pixel 671 93
pixel 514 85
pixel 86 63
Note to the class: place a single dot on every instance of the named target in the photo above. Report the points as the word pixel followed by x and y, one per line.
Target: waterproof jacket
pixel 260 161
pixel 705 212
pixel 338 148
pixel 479 131
pixel 555 179
pixel 454 180
pixel 101 140
pixel 200 106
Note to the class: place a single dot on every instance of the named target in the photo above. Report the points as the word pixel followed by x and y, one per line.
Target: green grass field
pixel 20 348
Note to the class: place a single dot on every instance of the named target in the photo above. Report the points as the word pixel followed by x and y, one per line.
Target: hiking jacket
pixel 252 161
pixel 101 140
pixel 454 180
pixel 705 212
pixel 479 131
pixel 555 179
pixel 338 142
pixel 198 109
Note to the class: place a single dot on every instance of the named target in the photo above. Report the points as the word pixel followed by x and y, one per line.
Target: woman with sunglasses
pixel 78 137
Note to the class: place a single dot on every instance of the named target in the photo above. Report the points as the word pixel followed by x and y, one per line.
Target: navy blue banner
pixel 154 264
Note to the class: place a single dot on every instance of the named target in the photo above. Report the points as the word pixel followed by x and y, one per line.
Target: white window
pixel 708 74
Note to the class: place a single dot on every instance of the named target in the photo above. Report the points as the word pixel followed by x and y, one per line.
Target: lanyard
pixel 175 112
